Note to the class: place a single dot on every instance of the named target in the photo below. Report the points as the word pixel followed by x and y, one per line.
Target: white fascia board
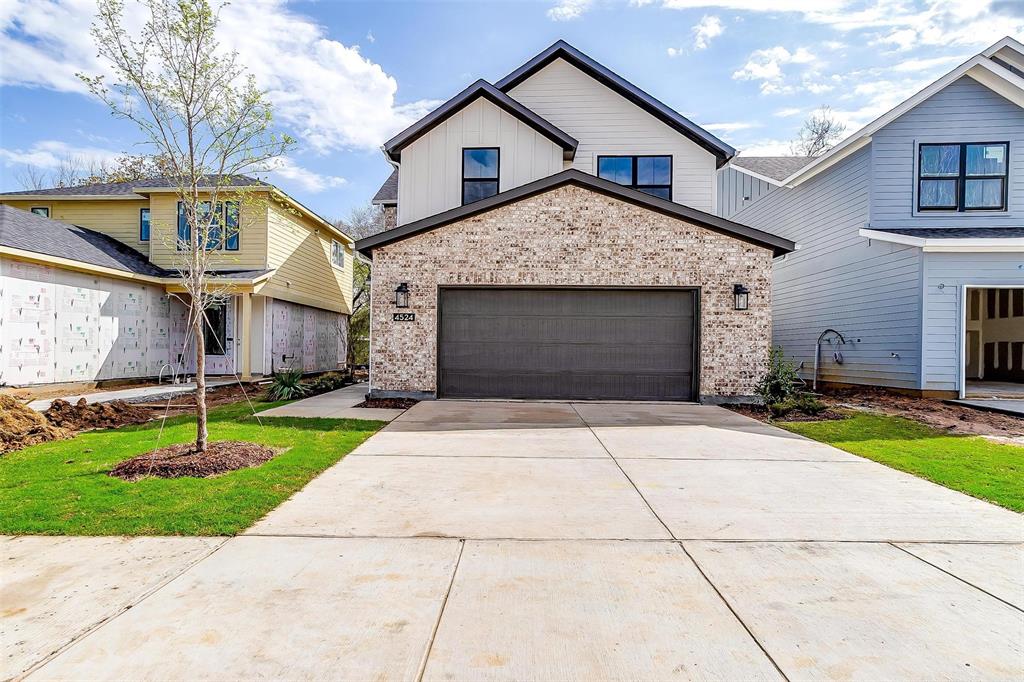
pixel 747 171
pixel 968 245
pixel 1008 41
pixel 863 136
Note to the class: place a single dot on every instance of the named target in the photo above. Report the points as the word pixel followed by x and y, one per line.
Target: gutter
pixel 948 245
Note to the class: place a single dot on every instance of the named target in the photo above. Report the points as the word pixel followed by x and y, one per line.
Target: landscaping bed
pixel 388 403
pixel 182 459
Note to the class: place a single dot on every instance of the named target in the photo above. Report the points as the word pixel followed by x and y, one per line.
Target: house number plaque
pixel 403 317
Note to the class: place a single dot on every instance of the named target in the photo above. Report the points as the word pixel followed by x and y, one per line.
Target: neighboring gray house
pixel 911 238
pixel 554 237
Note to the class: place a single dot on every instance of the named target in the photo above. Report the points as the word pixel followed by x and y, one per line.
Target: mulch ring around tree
pixel 389 403
pixel 177 461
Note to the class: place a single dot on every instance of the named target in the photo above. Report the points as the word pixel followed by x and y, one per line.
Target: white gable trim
pixel 980 68
pixel 747 171
pixel 975 245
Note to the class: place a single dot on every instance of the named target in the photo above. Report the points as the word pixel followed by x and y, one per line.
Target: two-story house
pixel 910 272
pixel 90 287
pixel 554 236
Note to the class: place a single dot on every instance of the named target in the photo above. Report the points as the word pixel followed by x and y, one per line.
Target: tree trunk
pixel 201 432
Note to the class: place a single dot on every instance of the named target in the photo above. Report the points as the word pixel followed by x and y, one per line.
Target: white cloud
pixel 284 171
pixel 707 29
pixel 754 5
pixel 674 51
pixel 327 92
pixel 767 147
pixel 369 37
pixel 917 65
pixel 731 127
pixel 903 39
pixel 49 154
pixel 788 111
pixel 567 10
pixel 766 66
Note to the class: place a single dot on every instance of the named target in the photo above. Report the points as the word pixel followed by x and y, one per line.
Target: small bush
pixel 808 404
pixel 781 381
pixel 287 385
pixel 330 381
pixel 780 409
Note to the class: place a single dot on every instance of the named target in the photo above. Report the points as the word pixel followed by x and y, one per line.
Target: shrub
pixel 780 409
pixel 287 385
pixel 781 381
pixel 808 403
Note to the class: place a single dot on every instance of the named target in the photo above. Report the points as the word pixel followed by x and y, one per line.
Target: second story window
pixel 226 214
pixel 962 177
pixel 479 174
pixel 41 210
pixel 648 174
pixel 144 225
pixel 338 254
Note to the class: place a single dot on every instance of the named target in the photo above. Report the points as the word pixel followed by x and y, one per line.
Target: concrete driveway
pixel 553 541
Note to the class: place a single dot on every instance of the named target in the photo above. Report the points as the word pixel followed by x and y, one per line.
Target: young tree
pixel 206 122
pixel 820 132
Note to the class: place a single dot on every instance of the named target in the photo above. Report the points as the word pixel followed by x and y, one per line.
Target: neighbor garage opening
pixel 993 344
pixel 568 343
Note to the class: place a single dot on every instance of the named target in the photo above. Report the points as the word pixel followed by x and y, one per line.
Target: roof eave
pixel 778 245
pixel 948 245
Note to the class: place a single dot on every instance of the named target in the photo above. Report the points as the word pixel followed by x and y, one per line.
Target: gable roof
pixel 126 190
pixel 777 245
pixel 30 232
pixel 388 192
pixel 992 73
pixel 619 85
pixel 481 88
pixel 771 168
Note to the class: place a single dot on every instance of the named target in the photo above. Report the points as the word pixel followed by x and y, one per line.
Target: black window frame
pixel 149 225
pixel 633 184
pixel 210 333
pixel 33 210
pixel 962 177
pixel 497 172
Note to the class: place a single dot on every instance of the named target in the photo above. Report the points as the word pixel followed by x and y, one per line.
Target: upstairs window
pixel 962 177
pixel 648 174
pixel 479 174
pixel 143 224
pixel 41 210
pixel 226 215
pixel 338 254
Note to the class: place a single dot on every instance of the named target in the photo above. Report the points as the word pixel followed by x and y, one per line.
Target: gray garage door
pixel 566 343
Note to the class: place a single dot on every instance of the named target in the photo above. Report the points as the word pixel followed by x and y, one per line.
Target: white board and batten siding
pixel 945 275
pixel 607 124
pixel 431 177
pixel 837 279
pixel 964 111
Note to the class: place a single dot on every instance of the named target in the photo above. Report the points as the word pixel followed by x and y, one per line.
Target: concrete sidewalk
pixel 338 404
pixel 550 541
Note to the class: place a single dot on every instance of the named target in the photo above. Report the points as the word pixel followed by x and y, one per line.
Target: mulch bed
pixel 21 426
pixel 177 461
pixel 760 413
pixel 389 403
pixel 82 415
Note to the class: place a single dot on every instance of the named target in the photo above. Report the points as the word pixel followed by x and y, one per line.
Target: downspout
pixel 817 353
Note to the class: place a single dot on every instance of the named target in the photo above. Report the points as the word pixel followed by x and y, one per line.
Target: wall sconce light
pixel 402 295
pixel 741 295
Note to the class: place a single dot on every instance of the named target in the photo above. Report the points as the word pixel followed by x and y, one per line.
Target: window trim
pixel 33 209
pixel 497 173
pixel 149 227
pixel 961 179
pixel 208 330
pixel 220 209
pixel 633 184
pixel 334 265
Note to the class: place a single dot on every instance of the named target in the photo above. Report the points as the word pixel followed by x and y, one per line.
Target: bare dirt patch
pixel 186 404
pixel 760 413
pixel 388 403
pixel 21 426
pixel 177 461
pixel 82 415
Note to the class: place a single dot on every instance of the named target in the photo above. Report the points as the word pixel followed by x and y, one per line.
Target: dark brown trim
pixel 695 395
pixel 393 147
pixel 620 85
pixel 778 245
pixel 636 173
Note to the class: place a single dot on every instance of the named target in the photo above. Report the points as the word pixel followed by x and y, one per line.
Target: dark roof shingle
pixel 774 167
pixel 108 189
pixel 388 192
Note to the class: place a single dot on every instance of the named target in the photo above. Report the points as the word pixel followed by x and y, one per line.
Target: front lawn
pixel 971 464
pixel 62 488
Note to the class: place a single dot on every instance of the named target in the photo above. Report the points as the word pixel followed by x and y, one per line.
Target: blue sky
pixel 345 76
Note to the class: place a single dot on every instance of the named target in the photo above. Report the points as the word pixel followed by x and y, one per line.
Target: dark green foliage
pixel 287 385
pixel 780 382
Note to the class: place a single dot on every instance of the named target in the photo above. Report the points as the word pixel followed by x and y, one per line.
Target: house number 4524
pixel 403 317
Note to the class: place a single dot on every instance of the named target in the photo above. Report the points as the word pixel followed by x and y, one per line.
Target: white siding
pixel 606 123
pixel 431 178
pixel 945 274
pixel 738 191
pixel 870 292
pixel 964 111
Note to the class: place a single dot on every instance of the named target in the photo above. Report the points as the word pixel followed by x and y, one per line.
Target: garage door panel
pixel 566 343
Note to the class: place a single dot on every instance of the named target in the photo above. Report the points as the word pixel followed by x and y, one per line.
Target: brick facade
pixel 573 236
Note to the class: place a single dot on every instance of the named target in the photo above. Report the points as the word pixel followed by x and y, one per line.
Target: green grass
pixel 62 488
pixel 971 464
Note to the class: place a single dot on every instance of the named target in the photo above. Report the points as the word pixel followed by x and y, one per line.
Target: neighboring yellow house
pixel 106 302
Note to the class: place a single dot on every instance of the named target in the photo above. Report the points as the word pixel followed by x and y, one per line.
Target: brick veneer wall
pixel 390 214
pixel 573 236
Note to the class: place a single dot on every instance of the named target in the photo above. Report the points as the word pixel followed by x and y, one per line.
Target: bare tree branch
pixel 820 132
